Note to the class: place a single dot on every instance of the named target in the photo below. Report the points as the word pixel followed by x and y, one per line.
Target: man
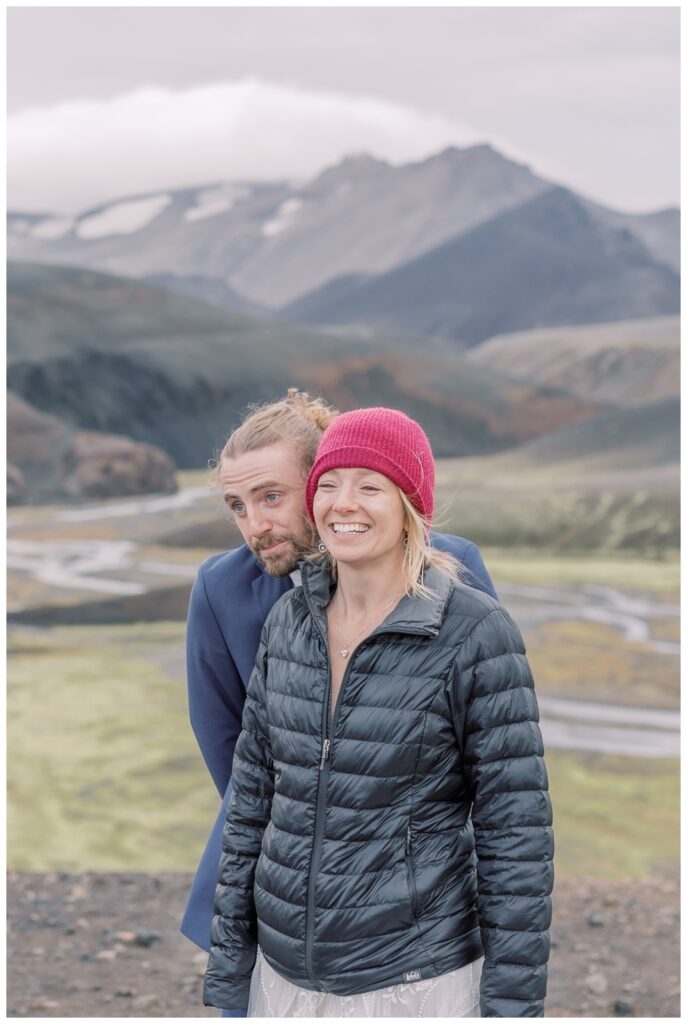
pixel 262 472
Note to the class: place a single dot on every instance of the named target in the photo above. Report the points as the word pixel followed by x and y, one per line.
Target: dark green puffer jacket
pixel 405 835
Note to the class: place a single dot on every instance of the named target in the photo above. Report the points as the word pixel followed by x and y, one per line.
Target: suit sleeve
pixel 475 572
pixel 234 927
pixel 496 719
pixel 215 688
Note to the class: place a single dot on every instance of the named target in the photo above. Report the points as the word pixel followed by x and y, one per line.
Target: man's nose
pixel 259 523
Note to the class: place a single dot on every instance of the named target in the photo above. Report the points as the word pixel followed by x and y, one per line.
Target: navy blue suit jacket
pixel 230 600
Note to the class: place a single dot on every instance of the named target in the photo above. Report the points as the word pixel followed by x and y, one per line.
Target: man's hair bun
pixel 314 410
pixel 296 419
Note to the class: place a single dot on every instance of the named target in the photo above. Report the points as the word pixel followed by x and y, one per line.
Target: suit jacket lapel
pixel 266 590
pixel 242 615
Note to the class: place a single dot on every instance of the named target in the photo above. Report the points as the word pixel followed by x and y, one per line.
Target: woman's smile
pixel 341 528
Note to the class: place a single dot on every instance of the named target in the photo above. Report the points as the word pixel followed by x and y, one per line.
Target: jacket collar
pixel 420 615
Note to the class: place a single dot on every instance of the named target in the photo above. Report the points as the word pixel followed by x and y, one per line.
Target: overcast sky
pixel 106 102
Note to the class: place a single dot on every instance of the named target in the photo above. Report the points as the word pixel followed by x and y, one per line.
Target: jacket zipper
pixel 322 776
pixel 411 873
pixel 320 808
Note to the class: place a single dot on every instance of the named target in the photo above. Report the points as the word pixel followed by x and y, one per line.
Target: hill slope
pixel 115 355
pixel 640 437
pixel 549 261
pixel 48 460
pixel 624 363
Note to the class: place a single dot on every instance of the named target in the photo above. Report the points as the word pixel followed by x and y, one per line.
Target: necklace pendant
pixel 344 652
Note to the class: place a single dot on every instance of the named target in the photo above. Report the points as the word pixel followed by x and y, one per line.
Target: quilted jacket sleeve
pixel 234 927
pixel 497 725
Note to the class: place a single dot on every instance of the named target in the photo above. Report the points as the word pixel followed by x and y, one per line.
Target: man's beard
pixel 287 560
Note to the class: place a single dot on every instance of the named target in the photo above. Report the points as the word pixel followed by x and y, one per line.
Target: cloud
pixel 68 157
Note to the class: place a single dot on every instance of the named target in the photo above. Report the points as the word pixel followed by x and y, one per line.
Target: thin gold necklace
pixel 346 649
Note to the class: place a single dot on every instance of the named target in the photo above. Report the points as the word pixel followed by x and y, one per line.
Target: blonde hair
pixel 418 553
pixel 296 419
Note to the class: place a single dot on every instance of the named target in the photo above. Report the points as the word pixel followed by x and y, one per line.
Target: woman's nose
pixel 345 500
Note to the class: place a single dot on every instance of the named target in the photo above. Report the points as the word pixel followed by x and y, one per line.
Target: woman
pixel 390 823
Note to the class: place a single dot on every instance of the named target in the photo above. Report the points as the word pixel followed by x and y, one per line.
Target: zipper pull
pixel 408 840
pixel 325 754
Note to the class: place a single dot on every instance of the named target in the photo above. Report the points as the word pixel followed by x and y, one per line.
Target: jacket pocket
pixel 410 871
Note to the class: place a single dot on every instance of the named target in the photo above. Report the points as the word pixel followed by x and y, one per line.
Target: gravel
pixel 108 945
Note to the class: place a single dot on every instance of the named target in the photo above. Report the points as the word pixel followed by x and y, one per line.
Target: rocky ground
pixel 107 945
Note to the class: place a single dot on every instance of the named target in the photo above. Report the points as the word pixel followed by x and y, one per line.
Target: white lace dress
pixel 455 994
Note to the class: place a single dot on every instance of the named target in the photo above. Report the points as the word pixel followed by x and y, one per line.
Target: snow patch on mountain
pixel 53 227
pixel 286 215
pixel 212 201
pixel 17 226
pixel 122 218
pixel 207 210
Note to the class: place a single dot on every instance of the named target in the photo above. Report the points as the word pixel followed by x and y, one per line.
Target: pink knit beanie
pixel 384 440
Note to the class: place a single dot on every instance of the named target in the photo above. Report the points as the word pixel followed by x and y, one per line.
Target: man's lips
pixel 272 548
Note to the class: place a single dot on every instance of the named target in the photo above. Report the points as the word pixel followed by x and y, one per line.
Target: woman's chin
pixel 361 555
pixel 350 549
pixel 345 556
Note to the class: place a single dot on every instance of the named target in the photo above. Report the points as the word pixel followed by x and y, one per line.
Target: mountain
pixel 367 217
pixel 102 353
pixel 549 261
pixel 626 363
pixel 659 231
pixel 272 243
pixel 257 247
pixel 207 231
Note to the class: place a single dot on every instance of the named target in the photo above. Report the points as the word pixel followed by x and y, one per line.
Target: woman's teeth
pixel 349 528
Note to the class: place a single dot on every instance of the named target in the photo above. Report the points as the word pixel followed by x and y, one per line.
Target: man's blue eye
pixel 238 506
pixel 273 497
